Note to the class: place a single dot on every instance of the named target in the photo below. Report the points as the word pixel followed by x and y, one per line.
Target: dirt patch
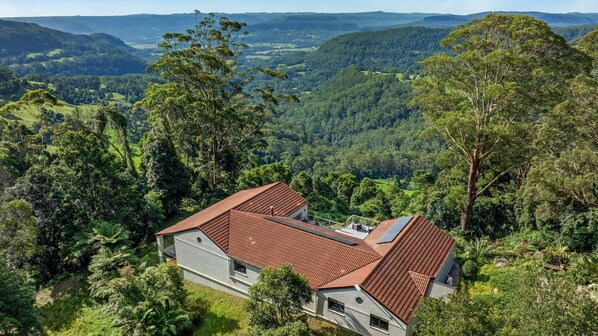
pixel 56 291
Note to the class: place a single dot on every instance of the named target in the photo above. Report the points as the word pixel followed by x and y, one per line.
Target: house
pixel 370 280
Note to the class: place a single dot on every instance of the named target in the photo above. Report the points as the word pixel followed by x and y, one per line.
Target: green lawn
pixel 66 310
pixel 384 186
pixel 225 313
pixel 54 52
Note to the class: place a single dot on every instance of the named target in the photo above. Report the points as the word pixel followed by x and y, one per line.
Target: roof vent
pixel 272 211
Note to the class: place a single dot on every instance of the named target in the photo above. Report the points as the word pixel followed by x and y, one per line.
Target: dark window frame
pixel 336 306
pixel 239 267
pixel 378 323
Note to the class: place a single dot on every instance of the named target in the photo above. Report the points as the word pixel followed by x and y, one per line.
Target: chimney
pixel 272 211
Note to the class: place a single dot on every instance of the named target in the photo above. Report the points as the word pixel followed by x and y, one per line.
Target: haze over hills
pixel 553 19
pixel 145 29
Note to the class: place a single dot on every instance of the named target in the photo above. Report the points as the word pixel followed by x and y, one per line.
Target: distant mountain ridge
pixel 553 19
pixel 30 48
pixel 149 28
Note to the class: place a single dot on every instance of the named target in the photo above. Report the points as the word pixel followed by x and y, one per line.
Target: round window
pixel 359 300
pixel 199 239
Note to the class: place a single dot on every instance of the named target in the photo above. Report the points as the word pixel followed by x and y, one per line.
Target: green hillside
pixel 30 48
pixel 358 122
pixel 398 49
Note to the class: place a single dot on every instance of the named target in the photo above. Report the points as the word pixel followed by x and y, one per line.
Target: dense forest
pixel 29 48
pixel 358 122
pixel 479 128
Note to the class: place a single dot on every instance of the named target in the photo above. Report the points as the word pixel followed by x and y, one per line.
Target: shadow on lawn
pixel 63 302
pixel 215 324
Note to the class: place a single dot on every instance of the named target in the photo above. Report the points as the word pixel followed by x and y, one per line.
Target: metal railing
pixel 354 219
pixel 325 222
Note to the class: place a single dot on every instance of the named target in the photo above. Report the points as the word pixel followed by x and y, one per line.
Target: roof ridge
pixel 218 212
pixel 264 217
pixel 401 234
pixel 266 188
pixel 269 186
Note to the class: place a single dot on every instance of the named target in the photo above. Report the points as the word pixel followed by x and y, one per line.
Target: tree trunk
pixel 472 179
pixel 215 164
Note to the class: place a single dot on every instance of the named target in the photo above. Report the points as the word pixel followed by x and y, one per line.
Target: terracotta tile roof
pixel 215 210
pixel 372 238
pixel 421 281
pixel 396 273
pixel 214 220
pixel 420 248
pixel 260 241
pixel 354 278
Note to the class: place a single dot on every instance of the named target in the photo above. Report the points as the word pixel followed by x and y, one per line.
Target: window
pixel 359 300
pixel 336 306
pixel 378 323
pixel 238 267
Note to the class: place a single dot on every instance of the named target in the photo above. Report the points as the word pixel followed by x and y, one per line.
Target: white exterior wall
pixel 300 214
pixel 205 263
pixel 446 267
pixel 357 316
pixel 438 288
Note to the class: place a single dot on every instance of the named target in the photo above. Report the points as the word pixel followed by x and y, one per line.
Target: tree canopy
pixel 278 297
pixel 205 105
pixel 485 98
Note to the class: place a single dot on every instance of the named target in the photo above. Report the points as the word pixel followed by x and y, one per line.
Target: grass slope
pixel 225 314
pixel 66 309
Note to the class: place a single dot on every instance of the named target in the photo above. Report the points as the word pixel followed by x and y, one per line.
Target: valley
pixel 116 129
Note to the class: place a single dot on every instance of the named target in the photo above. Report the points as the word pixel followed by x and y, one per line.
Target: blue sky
pixel 13 8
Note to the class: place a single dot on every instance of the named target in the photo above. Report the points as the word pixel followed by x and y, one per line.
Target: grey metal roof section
pixel 312 231
pixel 394 230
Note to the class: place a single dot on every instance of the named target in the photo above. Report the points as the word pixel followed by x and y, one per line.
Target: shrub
pixel 470 268
pixel 17 314
pixel 461 315
pixel 523 248
pixel 586 268
pixel 151 303
pixel 550 304
pixel 276 300
pixel 556 255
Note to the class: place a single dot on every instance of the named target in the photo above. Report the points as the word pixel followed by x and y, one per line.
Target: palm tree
pixel 478 249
